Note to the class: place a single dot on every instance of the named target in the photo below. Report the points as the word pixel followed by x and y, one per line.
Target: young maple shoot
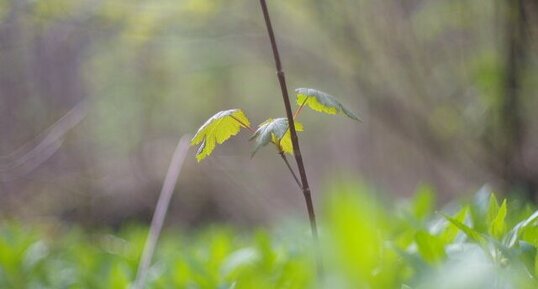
pixel 225 124
pixel 282 132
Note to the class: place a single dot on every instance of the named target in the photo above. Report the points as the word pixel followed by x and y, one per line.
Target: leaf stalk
pixel 243 124
pixel 296 114
pixel 283 156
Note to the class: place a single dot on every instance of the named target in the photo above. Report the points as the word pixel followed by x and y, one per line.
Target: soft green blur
pixel 365 243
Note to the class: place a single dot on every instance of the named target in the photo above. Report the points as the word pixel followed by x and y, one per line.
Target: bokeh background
pixel 94 95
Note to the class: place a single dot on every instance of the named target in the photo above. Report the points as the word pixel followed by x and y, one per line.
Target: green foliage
pixel 424 202
pixel 277 132
pixel 451 230
pixel 471 233
pixel 322 102
pixel 216 130
pixel 430 247
pixel 225 124
pixel 367 243
pixel 214 258
pixel 496 218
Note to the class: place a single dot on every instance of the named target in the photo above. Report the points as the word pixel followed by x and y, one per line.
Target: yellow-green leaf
pixel 423 202
pixel 516 233
pixel 216 130
pixel 322 102
pixel 493 209
pixel 471 233
pixel 275 131
pixel 497 228
pixel 285 142
pixel 449 234
pixel 530 235
pixel 430 247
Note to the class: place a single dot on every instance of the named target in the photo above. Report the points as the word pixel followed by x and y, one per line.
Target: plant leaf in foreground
pixel 322 102
pixel 217 129
pixel 275 131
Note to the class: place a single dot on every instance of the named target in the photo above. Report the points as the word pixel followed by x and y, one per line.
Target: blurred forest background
pixel 95 94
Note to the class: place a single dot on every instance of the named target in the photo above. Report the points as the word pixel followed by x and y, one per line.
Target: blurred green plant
pixel 368 243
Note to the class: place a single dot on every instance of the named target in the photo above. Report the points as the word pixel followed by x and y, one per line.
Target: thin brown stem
pixel 294 139
pixel 283 156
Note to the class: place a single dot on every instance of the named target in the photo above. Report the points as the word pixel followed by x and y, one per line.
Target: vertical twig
pixel 294 140
pixel 160 210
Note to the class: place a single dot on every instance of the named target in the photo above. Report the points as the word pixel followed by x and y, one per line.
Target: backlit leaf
pixel 275 131
pixel 449 234
pixel 430 247
pixel 497 227
pixel 493 209
pixel 530 235
pixel 517 231
pixel 322 102
pixel 470 232
pixel 216 130
pixel 423 202
pixel 285 142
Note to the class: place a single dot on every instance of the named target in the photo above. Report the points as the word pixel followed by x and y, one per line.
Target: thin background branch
pixel 26 158
pixel 161 209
